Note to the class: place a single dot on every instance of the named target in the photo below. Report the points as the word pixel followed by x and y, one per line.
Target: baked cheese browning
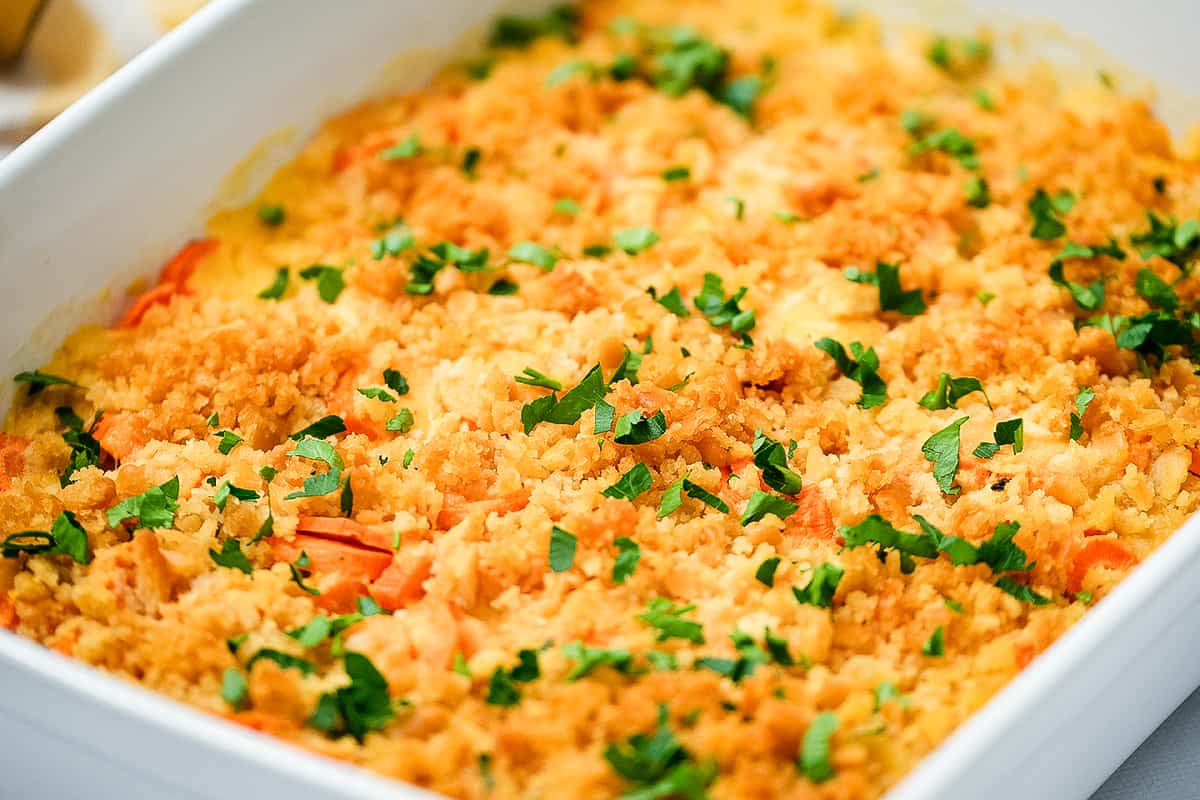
pixel 700 400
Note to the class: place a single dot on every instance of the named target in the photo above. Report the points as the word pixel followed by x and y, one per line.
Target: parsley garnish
pixel 977 192
pixel 941 450
pixel 272 215
pixel 891 297
pixel 983 99
pixel 536 254
pixel 229 440
pixel 321 483
pixel 814 760
pixel 633 483
pixel 636 428
pixel 761 504
pixel 821 586
pixel 862 369
pixel 231 556
pixel 635 240
pixel 597 250
pixel 398 239
pixel 627 369
pixel 520 32
pixel 531 377
pixel 658 766
pixel 1085 397
pixel 627 559
pixel 428 264
pixel 672 301
pixel 1155 290
pixel 1010 431
pixel 667 617
pixel 765 574
pixel 1021 592
pixel 590 658
pixel 1178 243
pixel 85 449
pixel 935 645
pixel 330 280
pixel 375 393
pixel 771 460
pixel 503 287
pixel 951 142
pixel 278 285
pixel 1047 213
pixel 39 380
pixel 950 390
pixel 65 537
pixel 153 508
pixel 402 421
pixel 722 311
pixel 233 687
pixel 679 173
pixel 470 162
pixel 227 490
pixel 562 549
pixel 323 428
pixel 283 660
pixel 298 576
pixel 409 147
pixel 357 708
pixel 1091 296
pixel 565 205
pixel 886 692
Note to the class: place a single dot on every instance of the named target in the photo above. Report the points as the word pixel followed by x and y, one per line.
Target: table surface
pixel 1166 766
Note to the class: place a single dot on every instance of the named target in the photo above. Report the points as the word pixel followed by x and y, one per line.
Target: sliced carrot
pixel 343 403
pixel 172 280
pixel 12 458
pixel 402 582
pixel 119 435
pixel 812 519
pixel 262 721
pixel 456 508
pixel 183 264
pixel 1194 467
pixel 8 613
pixel 1024 655
pixel 1097 552
pixel 341 570
pixel 344 530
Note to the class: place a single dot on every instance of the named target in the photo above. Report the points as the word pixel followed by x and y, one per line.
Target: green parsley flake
pixel 950 390
pixel 636 428
pixel 765 574
pixel 821 586
pixel 668 618
pixel 521 31
pixel 672 301
pixel 935 645
pixel 278 286
pixel 771 460
pixel 233 688
pixel 65 537
pixel 1047 213
pixel 627 559
pixel 591 658
pixel 862 369
pixel 761 504
pixel 941 450
pixel 38 380
pixel 153 508
pixel 1082 400
pixel 977 192
pixel 402 421
pixel 409 147
pixel 814 761
pixel 323 428
pixel 1021 592
pixel 635 240
pixel 675 174
pixel 562 549
pixel 658 766
pixel 633 483
pixel 231 556
pixel 362 706
pixel 567 206
pixel 1177 242
pixel 330 280
pixel 891 297
pixel 272 215
pixel 1010 431
pixel 531 377
pixel 536 254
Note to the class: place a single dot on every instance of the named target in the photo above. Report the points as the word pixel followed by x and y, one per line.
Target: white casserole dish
pixel 110 188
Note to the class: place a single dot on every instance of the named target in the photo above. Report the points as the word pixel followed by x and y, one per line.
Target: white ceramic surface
pixel 112 186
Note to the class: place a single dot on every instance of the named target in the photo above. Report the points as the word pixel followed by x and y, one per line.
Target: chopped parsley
pixel 397 239
pixel 941 450
pixel 673 497
pixel 298 576
pixel 153 508
pixel 672 301
pixel 636 428
pixel 1010 431
pixel 470 162
pixel 935 645
pixel 531 377
pixel 567 206
pixel 862 369
pixel 667 617
pixel 409 147
pixel 658 766
pixel 1047 213
pixel 322 483
pixel 635 240
pixel 977 192
pixel 1155 290
pixel 323 428
pixel 820 587
pixel 761 503
pixel 428 264
pixel 1021 591
pixel 675 174
pixel 375 393
pixel 597 250
pixel 38 380
pixel 521 31
pixel 949 141
pixel 536 254
pixel 231 556
pixel 1091 296
pixel 395 381
pixel 562 549
pixel 950 390
pixel 65 537
pixel 814 761
pixel 771 460
pixel 628 555
pixel 278 286
pixel 361 706
pixel 722 311
pixel 567 410
pixel 233 687
pixel 503 287
pixel 765 574
pixel 401 422
pixel 1177 242
pixel 227 490
pixel 330 280
pixel 891 296
pixel 272 214
pixel 85 449
pixel 1082 400
pixel 633 483
pixel 887 692
pixel 983 99
pixel 591 658
pixel 282 660
pixel 738 205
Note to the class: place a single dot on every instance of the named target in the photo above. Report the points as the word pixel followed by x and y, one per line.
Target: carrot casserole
pixel 676 400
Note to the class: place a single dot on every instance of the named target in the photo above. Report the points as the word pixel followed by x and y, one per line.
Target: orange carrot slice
pixel 327 556
pixel 8 613
pixel 1194 467
pixel 120 435
pixel 344 530
pixel 12 458
pixel 402 582
pixel 172 280
pixel 456 508
pixel 1104 552
pixel 812 519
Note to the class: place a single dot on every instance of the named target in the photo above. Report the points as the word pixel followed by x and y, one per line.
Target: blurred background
pixel 52 51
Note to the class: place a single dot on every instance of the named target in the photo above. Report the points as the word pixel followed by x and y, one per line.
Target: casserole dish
pixel 33 184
